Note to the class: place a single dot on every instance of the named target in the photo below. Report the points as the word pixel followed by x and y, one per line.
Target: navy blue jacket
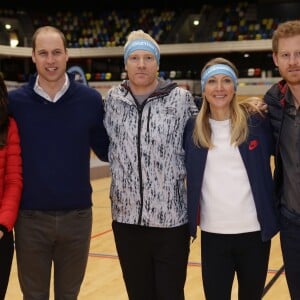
pixel 56 141
pixel 275 98
pixel 256 153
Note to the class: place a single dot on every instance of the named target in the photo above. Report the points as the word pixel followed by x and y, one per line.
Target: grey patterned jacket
pixel 146 155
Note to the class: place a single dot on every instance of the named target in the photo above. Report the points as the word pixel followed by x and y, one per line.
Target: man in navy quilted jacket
pixel 283 100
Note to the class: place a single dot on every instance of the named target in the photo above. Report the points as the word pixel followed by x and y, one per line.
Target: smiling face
pixel 50 58
pixel 287 59
pixel 219 91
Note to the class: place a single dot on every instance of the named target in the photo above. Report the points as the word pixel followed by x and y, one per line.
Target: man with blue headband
pixel 145 120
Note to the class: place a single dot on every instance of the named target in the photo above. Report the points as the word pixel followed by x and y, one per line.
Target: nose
pixel 294 58
pixel 141 62
pixel 50 58
pixel 220 85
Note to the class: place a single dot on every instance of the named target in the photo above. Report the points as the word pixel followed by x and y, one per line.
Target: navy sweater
pixel 56 139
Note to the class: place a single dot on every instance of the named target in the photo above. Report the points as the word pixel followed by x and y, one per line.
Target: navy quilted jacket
pixel 256 153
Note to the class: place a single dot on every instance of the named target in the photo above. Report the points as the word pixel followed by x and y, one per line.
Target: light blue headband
pixel 141 44
pixel 218 69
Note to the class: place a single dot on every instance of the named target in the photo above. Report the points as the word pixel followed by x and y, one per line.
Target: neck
pixel 143 90
pixel 220 115
pixel 51 88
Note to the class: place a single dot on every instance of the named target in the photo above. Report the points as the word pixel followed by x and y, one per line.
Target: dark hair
pixel 4 120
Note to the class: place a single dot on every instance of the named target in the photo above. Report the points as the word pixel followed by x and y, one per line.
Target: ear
pixel 67 55
pixel 275 59
pixel 33 57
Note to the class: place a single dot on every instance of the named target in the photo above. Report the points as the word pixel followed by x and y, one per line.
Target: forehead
pixel 289 43
pixel 49 40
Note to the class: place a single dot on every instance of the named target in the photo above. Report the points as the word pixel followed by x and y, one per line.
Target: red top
pixel 11 180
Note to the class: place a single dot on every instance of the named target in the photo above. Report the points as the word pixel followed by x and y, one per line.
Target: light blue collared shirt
pixel 39 90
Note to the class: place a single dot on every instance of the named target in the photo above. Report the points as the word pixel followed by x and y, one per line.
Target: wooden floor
pixel 103 280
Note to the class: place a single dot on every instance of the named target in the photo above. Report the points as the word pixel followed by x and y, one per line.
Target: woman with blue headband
pixel 230 186
pixel 145 120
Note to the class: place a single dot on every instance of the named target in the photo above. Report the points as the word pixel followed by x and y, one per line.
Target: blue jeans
pixel 290 247
pixel 55 237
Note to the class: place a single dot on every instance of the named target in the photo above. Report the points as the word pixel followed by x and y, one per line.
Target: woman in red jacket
pixel 11 184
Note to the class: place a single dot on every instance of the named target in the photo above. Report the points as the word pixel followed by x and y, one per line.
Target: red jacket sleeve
pixel 11 180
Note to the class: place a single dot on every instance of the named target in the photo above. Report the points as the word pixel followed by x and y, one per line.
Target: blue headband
pixel 141 44
pixel 218 69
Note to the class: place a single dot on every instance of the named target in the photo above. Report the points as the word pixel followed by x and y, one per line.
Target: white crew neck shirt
pixel 227 204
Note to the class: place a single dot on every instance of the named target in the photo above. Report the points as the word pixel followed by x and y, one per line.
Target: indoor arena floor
pixel 103 279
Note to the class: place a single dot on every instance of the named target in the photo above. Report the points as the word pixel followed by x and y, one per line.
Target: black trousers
pixel 6 257
pixel 290 246
pixel 226 255
pixel 153 260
